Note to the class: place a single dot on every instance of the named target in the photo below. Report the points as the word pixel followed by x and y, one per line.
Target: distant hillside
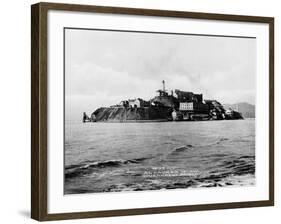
pixel 247 110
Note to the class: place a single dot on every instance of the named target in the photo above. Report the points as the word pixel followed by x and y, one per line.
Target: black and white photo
pixel 158 111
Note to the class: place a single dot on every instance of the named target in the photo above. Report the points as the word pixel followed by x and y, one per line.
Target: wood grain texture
pixel 39 204
pixel 34 113
pixel 271 111
pixel 38 112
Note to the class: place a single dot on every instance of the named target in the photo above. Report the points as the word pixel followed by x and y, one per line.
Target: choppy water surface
pixel 104 157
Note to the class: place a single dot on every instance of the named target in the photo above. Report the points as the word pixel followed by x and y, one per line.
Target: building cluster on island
pixel 176 106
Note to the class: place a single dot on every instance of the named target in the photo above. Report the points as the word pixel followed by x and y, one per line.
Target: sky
pixel 104 67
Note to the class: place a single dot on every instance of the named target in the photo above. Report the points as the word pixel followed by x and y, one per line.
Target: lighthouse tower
pixel 163 82
pixel 162 92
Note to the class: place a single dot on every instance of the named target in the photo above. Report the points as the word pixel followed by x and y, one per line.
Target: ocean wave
pixel 182 148
pixel 87 167
pixel 187 147
pixel 217 142
pixel 222 140
pixel 231 171
pixel 214 143
pixel 211 181
pixel 237 166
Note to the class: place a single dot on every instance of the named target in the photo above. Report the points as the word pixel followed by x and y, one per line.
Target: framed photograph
pixel 141 111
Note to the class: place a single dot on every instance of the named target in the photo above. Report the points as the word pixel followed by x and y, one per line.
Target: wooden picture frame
pixel 39 110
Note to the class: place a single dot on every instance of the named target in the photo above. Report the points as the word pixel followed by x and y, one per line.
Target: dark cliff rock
pixel 122 114
pixel 246 109
pixel 234 116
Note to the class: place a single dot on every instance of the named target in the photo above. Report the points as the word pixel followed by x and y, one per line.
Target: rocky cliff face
pixel 121 114
pixel 247 110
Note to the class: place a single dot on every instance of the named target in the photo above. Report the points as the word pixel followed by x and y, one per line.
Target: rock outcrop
pixel 123 114
pixel 248 110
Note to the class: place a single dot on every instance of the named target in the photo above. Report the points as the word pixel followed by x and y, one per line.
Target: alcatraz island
pixel 176 106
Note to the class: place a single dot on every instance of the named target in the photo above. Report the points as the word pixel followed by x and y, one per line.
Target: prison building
pixel 137 103
pixel 194 107
pixel 184 96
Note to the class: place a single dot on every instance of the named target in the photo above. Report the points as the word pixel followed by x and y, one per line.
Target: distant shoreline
pixel 144 121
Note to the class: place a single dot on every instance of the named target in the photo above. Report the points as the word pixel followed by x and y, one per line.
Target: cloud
pixel 92 79
pixel 103 67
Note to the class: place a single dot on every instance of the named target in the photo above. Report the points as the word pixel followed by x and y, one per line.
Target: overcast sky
pixel 104 67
